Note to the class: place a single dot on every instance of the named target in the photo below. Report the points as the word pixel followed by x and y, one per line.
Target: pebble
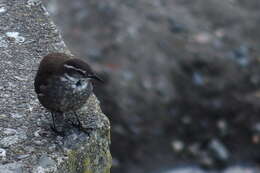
pixel 241 55
pixel 39 142
pixel 9 131
pixel 31 3
pixel 2 9
pixel 23 156
pixel 194 149
pixel 239 169
pixel 8 141
pixel 16 36
pixel 222 125
pixel 186 119
pixel 2 153
pixel 36 133
pixel 46 162
pixel 16 115
pixel 52 147
pixel 256 139
pixel 198 78
pixel 3 43
pixel 3 116
pixel 231 169
pixel 205 159
pixel 11 168
pixel 186 170
pixel 220 33
pixel 175 27
pixel 256 127
pixel 115 162
pixel 219 149
pixel 203 38
pixel 20 78
pixel 177 145
pixel 11 140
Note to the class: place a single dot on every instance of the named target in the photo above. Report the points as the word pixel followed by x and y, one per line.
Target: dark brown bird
pixel 63 84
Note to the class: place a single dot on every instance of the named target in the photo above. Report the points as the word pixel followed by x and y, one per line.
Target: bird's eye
pixel 78 83
pixel 81 72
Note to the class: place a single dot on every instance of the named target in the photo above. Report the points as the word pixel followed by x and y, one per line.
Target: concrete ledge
pixel 26 142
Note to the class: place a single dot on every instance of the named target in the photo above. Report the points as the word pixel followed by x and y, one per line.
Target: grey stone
pixel 2 153
pixel 11 168
pixel 3 43
pixel 16 36
pixel 22 156
pixel 2 9
pixel 9 131
pixel 241 169
pixel 27 34
pixel 231 169
pixel 186 170
pixel 46 162
pixel 219 149
pixel 11 140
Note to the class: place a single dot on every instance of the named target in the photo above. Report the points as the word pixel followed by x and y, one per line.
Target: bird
pixel 63 84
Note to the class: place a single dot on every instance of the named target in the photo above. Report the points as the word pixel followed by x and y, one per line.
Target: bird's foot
pixel 58 132
pixel 79 126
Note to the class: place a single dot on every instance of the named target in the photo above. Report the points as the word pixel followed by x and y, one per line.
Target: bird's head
pixel 79 69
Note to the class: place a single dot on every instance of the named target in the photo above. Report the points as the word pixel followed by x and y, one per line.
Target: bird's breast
pixel 76 84
pixel 66 94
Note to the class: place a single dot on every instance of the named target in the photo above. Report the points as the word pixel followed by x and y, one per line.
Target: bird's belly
pixel 65 96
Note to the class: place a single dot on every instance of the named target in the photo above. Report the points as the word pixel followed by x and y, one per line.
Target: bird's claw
pixel 58 132
pixel 79 126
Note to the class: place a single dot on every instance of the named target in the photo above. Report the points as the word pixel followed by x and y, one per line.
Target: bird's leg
pixel 78 121
pixel 53 127
pixel 79 125
pixel 53 122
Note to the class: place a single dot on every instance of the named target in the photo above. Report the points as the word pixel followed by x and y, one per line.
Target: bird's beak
pixel 96 78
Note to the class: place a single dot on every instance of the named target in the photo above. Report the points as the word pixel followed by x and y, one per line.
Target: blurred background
pixel 182 86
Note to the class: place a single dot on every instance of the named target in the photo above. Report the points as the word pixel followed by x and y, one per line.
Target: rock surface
pixel 27 144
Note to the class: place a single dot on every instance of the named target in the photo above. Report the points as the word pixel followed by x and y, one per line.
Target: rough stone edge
pixel 96 149
pixel 89 162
